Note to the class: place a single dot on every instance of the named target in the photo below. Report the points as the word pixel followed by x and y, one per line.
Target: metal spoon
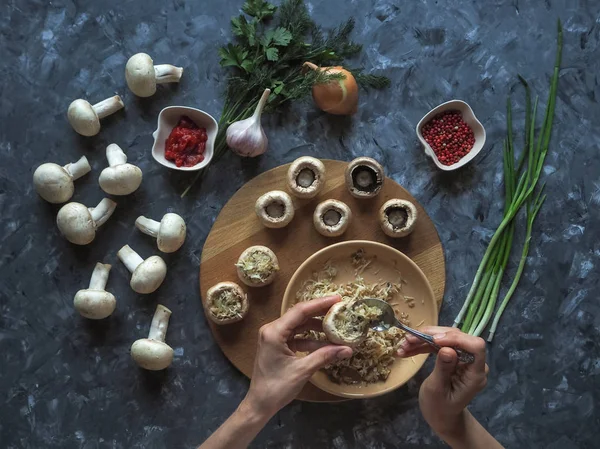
pixel 388 319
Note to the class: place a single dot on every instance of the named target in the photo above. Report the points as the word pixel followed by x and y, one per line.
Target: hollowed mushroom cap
pixel 364 177
pixel 148 276
pixel 397 217
pixel 333 334
pixel 257 282
pixel 306 177
pixel 274 209
pixel 332 217
pixel 213 293
pixel 94 304
pixel 152 355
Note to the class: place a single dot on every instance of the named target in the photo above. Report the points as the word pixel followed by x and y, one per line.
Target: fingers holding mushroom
pixel 306 177
pixel 343 326
pixel 95 302
pixel 55 183
pixel 78 223
pixel 119 178
pixel 226 303
pixel 257 266
pixel 146 275
pixel 331 218
pixel 364 177
pixel 85 118
pixel 142 75
pixel 275 209
pixel 153 353
pixel 169 233
pixel 397 218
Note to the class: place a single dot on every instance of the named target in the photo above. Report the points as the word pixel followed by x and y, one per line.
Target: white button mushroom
pixel 142 75
pixel 343 327
pixel 78 223
pixel 274 209
pixel 397 217
pixel 169 233
pixel 331 218
pixel 257 266
pixel 55 183
pixel 153 353
pixel 364 177
pixel 85 118
pixel 119 178
pixel 146 275
pixel 94 302
pixel 226 303
pixel 306 177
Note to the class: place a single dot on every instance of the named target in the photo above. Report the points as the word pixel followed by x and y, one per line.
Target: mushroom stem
pixel 108 106
pixel 79 168
pixel 115 155
pixel 160 323
pixel 167 73
pixel 130 258
pixel 147 226
pixel 102 211
pixel 100 276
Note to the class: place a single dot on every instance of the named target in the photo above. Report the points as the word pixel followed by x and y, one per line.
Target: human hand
pixel 451 386
pixel 279 374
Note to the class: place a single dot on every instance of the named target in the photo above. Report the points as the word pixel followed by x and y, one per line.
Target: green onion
pixel 519 186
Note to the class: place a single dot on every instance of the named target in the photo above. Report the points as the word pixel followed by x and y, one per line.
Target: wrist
pixel 252 414
pixel 452 427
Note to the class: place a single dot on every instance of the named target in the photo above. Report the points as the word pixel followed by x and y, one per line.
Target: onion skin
pixel 336 97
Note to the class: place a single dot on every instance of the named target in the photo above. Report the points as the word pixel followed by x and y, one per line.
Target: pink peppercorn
pixel 449 136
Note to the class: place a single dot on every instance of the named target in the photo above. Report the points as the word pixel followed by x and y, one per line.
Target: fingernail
pixel 446 358
pixel 439 336
pixel 401 352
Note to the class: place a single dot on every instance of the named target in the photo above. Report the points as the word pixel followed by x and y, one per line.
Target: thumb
pixel 445 366
pixel 325 356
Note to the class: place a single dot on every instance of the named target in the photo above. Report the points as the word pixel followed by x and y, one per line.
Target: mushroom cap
pixel 75 222
pixel 171 233
pixel 334 334
pixel 364 177
pixel 121 179
pixel 275 209
pixel 397 217
pixel 152 355
pixel 214 293
pixel 306 177
pixel 332 210
pixel 53 183
pixel 140 75
pixel 83 118
pixel 148 276
pixel 252 282
pixel 94 304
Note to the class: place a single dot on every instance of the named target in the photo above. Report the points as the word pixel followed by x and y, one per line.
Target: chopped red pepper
pixel 450 137
pixel 186 144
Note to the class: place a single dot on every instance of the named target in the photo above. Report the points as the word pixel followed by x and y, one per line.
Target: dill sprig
pixel 270 45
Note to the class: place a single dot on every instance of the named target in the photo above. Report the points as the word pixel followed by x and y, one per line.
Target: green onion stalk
pixel 520 184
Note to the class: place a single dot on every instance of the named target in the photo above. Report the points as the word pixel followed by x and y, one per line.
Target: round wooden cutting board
pixel 237 228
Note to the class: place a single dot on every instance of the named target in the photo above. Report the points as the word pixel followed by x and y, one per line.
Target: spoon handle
pixel 463 356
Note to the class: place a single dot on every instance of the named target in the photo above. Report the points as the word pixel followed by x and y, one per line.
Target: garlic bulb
pixel 246 137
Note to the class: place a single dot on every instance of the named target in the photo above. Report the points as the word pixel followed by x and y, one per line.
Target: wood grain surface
pixel 237 227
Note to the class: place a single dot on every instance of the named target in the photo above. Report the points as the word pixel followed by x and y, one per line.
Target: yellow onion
pixel 339 97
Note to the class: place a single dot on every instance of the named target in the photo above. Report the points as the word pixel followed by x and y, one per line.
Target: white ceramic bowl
pixel 168 119
pixel 469 117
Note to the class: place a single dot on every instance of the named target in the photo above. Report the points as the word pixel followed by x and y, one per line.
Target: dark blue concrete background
pixel 66 382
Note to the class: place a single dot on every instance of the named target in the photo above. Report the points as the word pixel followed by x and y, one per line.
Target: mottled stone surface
pixel 68 382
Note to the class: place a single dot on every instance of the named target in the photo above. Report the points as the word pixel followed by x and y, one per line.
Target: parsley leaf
pixel 232 55
pixel 281 37
pixel 272 54
pixel 244 29
pixel 259 9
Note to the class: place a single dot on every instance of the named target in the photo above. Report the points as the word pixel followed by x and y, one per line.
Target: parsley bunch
pixel 271 44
